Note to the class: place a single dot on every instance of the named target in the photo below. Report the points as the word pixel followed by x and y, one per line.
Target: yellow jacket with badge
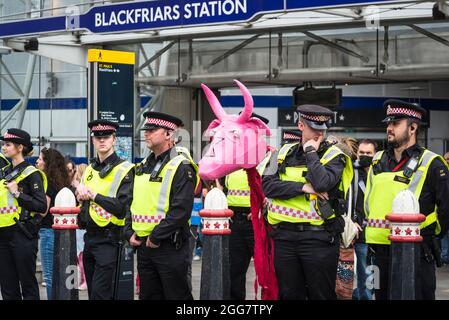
pixel 10 209
pixel 301 208
pixel 105 185
pixel 383 186
pixel 151 197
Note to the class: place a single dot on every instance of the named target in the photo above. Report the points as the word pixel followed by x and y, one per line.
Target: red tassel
pixel 263 257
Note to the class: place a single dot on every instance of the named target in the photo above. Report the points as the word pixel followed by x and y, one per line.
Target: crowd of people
pixel 309 183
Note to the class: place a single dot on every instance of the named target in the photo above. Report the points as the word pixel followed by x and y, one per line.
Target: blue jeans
pixel 445 248
pixel 361 292
pixel 47 236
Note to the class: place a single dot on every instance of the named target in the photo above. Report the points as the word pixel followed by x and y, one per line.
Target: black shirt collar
pixel 109 160
pixel 407 153
pixel 160 157
pixel 20 166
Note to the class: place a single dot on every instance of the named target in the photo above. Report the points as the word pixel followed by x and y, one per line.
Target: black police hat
pixel 160 120
pixel 398 109
pixel 17 136
pixel 101 128
pixel 317 117
pixel 255 115
pixel 292 135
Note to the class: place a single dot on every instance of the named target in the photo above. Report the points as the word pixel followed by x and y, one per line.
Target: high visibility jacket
pixel 9 206
pixel 382 188
pixel 238 187
pixel 299 209
pixel 4 158
pixel 107 186
pixel 151 196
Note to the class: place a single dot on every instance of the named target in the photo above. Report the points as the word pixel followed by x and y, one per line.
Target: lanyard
pixel 400 164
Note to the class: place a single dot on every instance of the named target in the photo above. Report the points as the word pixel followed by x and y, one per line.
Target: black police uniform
pixel 101 244
pixel 163 270
pixel 241 243
pixel 434 192
pixel 18 252
pixel 306 256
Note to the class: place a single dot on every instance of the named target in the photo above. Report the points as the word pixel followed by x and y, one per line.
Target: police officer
pixel 365 153
pixel 157 225
pixel 22 196
pixel 305 203
pixel 406 165
pixel 106 193
pixel 241 241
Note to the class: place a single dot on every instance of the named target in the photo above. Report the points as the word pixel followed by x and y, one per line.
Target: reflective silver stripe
pixel 293 212
pixel 284 150
pixel 378 155
pixel 10 198
pixel 115 183
pixel 333 151
pixel 165 182
pixel 263 163
pixel 427 157
pixel 370 179
pixel 362 186
pixel 378 223
pixel 28 170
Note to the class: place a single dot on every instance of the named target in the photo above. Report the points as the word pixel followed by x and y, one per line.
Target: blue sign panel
pixel 147 15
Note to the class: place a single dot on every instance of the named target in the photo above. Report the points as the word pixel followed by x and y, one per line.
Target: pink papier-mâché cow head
pixel 237 141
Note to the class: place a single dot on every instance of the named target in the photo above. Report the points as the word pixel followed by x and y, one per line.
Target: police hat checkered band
pixel 319 118
pixel 161 123
pixel 11 136
pixel 293 212
pixel 391 111
pixel 290 136
pixel 101 127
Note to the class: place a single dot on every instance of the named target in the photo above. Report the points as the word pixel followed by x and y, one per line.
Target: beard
pixel 399 140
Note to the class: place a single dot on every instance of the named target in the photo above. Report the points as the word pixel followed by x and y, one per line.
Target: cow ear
pixel 260 125
pixel 213 125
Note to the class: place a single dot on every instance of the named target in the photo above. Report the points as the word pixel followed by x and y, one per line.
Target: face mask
pixel 365 161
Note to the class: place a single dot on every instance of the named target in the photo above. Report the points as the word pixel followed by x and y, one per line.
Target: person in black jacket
pixel 365 153
pixel 22 197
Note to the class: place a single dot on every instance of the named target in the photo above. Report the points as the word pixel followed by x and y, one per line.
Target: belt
pixel 103 231
pixel 299 227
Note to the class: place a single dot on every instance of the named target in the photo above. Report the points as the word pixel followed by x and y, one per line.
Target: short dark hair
pixel 411 121
pixel 369 141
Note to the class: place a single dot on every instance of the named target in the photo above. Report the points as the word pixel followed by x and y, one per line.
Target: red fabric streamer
pixel 263 244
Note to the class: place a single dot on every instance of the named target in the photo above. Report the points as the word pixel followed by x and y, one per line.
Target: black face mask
pixel 365 161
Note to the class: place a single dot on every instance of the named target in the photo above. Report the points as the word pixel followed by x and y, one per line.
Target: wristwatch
pixel 309 149
pixel 16 194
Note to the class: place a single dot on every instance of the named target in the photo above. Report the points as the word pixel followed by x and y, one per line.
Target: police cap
pixel 154 120
pixel 102 128
pixel 398 109
pixel 315 116
pixel 17 136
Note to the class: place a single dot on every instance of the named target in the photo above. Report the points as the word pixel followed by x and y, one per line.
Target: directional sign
pixel 148 15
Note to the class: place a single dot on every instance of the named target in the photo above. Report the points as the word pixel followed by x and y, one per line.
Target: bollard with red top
pixel 215 270
pixel 405 253
pixel 65 212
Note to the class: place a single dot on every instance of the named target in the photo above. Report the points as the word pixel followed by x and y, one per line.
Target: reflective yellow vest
pixel 382 188
pixel 151 198
pixel 108 186
pixel 238 187
pixel 4 158
pixel 9 206
pixel 298 209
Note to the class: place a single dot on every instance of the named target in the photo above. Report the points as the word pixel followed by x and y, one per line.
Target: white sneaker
pixel 196 258
pixel 43 284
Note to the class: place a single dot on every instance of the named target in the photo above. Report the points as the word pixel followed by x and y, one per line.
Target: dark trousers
pixel 241 249
pixel 426 274
pixel 306 264
pixel 163 271
pixel 18 265
pixel 100 262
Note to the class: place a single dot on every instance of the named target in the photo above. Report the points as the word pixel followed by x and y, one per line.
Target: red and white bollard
pixel 405 253
pixel 65 271
pixel 215 272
